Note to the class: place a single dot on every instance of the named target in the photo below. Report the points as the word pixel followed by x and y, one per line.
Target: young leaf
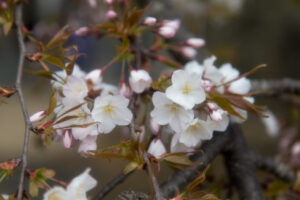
pixel 43 73
pixel 52 103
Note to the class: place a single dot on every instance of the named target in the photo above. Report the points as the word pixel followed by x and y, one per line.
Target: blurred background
pixel 245 33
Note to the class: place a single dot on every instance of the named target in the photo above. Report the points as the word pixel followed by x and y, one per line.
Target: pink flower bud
pixel 92 3
pixel 94 76
pixel 111 15
pixel 211 106
pixel 206 84
pixel 157 148
pixel 188 52
pixel 171 23
pixel 154 127
pixel 150 21
pixel 139 80
pixel 166 31
pixel 125 90
pixel 88 144
pixel 195 42
pixel 216 115
pixel 67 138
pixel 109 2
pixel 82 31
pixel 296 149
pixel 38 116
pixel 4 5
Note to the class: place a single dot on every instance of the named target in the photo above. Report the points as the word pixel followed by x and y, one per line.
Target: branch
pixel 277 87
pixel 19 24
pixel 112 184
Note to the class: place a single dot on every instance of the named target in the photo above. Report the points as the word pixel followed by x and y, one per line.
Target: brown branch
pixel 19 24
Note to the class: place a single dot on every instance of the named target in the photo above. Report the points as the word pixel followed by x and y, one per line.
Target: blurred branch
pixel 19 24
pixel 277 87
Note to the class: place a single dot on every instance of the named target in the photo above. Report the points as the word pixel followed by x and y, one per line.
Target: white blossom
pixel 94 76
pixel 210 71
pixel 186 89
pixel 240 86
pixel 175 23
pixel 220 125
pixel 177 146
pixel 110 111
pixel 77 188
pixel 139 80
pixel 75 88
pixel 89 143
pixel 111 15
pixel 157 148
pixel 166 31
pixel 197 130
pixel 194 67
pixel 78 116
pixel 167 112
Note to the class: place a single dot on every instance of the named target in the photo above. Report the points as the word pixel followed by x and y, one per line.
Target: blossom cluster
pixel 86 107
pixel 186 108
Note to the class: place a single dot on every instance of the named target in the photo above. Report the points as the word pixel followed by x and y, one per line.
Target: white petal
pixel 194 67
pixel 123 116
pixel 57 193
pixel 106 126
pixel 88 144
pixel 82 183
pixel 229 73
pixel 241 86
pixel 157 148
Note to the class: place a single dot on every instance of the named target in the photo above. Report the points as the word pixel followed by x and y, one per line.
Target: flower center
pixel 193 128
pixel 173 107
pixel 79 89
pixel 109 110
pixel 54 197
pixel 186 89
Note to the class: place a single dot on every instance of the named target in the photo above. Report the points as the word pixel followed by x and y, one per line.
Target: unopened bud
pixel 188 52
pixel 4 5
pixel 94 76
pixel 206 85
pixel 216 115
pixel 92 3
pixel 155 127
pixel 109 2
pixel 111 15
pixel 125 90
pixel 82 31
pixel 67 138
pixel 139 80
pixel 150 21
pixel 166 32
pixel 157 148
pixel 195 42
pixel 38 116
pixel 171 23
pixel 88 144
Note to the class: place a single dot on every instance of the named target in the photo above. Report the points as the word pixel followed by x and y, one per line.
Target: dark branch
pixel 112 184
pixel 19 24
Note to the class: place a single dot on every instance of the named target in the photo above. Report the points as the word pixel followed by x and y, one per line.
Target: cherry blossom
pixel 150 21
pixel 94 76
pixel 197 130
pixel 167 112
pixel 77 188
pixel 195 42
pixel 139 80
pixel 186 89
pixel 75 88
pixel 157 148
pixel 89 143
pixel 110 111
pixel 177 146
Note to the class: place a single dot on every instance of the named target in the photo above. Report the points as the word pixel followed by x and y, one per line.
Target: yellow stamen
pixel 186 89
pixel 109 109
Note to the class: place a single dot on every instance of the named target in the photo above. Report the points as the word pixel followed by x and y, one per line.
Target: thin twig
pixel 158 195
pixel 19 24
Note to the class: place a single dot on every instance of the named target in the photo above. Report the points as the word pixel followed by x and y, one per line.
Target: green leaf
pixel 225 105
pixel 6 27
pixel 59 38
pixel 180 160
pixel 162 83
pixel 53 60
pixel 130 167
pixel 43 73
pixel 52 103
